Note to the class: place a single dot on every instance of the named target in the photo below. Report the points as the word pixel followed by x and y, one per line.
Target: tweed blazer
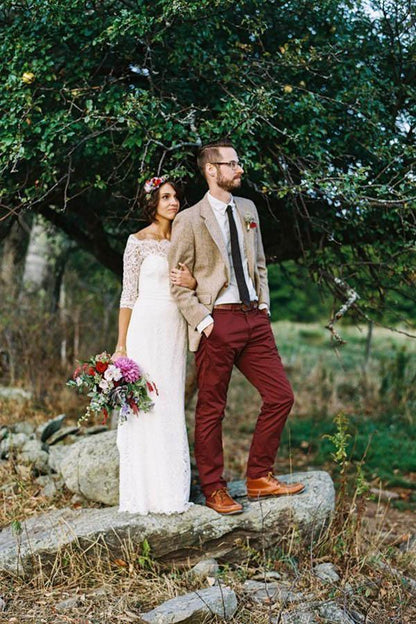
pixel 198 242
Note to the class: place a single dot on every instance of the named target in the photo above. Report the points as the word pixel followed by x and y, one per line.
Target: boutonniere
pixel 250 223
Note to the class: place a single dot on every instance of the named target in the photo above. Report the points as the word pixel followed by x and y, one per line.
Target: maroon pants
pixel 246 340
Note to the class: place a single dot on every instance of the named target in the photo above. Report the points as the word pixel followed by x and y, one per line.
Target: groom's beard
pixel 229 185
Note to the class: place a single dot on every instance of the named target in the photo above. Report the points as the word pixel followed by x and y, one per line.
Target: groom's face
pixel 229 172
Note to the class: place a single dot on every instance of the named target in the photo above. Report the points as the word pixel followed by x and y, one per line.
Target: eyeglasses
pixel 232 163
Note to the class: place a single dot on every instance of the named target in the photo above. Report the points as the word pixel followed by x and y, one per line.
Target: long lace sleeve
pixel 132 260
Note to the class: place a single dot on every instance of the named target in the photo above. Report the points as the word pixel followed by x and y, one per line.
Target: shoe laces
pixel 222 493
pixel 272 478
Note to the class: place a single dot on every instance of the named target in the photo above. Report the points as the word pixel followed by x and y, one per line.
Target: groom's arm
pixel 182 249
pixel 264 294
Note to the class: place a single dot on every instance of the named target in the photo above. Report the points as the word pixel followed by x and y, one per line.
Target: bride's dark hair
pixel 149 201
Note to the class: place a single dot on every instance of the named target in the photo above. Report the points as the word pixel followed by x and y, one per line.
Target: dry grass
pixel 20 494
pixel 117 589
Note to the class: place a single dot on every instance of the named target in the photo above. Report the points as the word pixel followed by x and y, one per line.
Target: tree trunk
pixel 14 247
pixel 45 261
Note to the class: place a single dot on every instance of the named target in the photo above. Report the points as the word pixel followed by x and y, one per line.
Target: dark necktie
pixel 236 255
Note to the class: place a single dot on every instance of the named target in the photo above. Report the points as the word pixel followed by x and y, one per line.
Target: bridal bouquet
pixel 113 385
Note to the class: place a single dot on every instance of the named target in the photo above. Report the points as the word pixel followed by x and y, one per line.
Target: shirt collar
pixel 219 205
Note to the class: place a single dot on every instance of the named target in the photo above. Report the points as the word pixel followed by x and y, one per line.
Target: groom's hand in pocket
pixel 208 330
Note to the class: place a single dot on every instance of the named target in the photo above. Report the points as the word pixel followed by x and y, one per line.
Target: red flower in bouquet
pixel 101 367
pixel 87 369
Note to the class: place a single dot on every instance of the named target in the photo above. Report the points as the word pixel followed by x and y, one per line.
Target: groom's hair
pixel 210 153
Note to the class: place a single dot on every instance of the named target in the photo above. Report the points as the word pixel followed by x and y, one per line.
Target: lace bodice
pixel 135 252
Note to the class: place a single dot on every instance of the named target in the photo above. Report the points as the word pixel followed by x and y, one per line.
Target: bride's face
pixel 168 204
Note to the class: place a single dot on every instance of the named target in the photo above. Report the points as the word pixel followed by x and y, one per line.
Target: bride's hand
pixel 118 353
pixel 183 277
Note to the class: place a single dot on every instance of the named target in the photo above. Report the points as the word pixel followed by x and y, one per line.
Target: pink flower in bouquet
pixel 130 370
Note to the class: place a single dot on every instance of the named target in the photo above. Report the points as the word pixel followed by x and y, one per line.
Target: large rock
pixel 326 572
pixel 50 485
pixel 332 613
pixel 207 568
pixel 57 455
pixel 24 426
pixel 32 453
pixel 12 443
pixel 194 607
pixel 271 592
pixel 45 430
pixel 180 539
pixel 91 468
pixel 65 432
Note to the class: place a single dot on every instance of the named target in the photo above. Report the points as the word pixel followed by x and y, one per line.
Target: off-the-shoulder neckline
pixel 149 240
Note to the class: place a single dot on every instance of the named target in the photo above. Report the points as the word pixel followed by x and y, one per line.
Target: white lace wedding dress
pixel 153 447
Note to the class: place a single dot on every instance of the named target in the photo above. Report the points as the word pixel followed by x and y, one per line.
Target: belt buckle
pixel 245 307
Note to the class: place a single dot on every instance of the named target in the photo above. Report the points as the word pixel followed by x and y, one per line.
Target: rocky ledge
pixel 179 539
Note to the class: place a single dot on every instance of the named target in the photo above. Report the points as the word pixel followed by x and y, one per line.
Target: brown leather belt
pixel 243 307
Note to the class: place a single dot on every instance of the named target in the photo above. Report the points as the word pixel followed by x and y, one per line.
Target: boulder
pixel 194 607
pixel 12 443
pixel 63 433
pixel 177 539
pixel 204 569
pixel 273 591
pixel 332 613
pixel 56 456
pixel 33 454
pixel 326 572
pixel 45 430
pixel 50 485
pixel 23 427
pixel 91 468
pixel 267 576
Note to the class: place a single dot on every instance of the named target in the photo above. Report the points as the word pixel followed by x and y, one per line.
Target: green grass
pixel 389 450
pixel 379 399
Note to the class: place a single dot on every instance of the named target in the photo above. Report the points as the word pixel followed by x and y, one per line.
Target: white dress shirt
pixel 230 294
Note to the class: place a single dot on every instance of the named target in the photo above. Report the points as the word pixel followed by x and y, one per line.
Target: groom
pixel 228 323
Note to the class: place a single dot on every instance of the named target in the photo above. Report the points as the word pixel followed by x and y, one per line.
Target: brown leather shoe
pixel 270 486
pixel 221 501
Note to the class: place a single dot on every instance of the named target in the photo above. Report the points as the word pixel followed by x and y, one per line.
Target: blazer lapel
pixel 248 240
pixel 214 229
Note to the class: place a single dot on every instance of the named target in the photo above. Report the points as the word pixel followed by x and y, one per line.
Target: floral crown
pixel 153 184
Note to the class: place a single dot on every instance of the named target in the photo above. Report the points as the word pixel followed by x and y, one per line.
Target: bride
pixel 153 447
